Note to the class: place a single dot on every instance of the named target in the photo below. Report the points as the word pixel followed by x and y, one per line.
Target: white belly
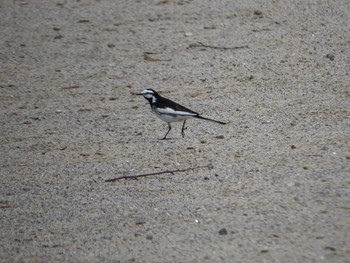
pixel 169 115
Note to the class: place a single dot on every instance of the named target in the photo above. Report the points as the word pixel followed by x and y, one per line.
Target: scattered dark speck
pixel 210 27
pixel 264 251
pixel 306 168
pixel 220 137
pixel 257 13
pixel 84 21
pixel 330 56
pixel 140 221
pixel 223 231
pixel 58 37
pixel 293 147
pixel 206 178
pixel 330 248
pixel 110 45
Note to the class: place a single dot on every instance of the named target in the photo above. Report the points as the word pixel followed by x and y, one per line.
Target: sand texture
pixel 270 186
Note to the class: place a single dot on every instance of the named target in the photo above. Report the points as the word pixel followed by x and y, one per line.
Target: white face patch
pixel 147 91
pixel 149 94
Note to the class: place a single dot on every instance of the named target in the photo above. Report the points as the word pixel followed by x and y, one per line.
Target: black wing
pixel 165 103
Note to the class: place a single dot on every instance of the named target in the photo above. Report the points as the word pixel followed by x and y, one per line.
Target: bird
pixel 170 111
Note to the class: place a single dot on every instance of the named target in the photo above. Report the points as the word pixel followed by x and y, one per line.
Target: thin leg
pixel 169 128
pixel 183 129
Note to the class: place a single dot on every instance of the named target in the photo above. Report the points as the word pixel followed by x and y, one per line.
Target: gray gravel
pixel 276 185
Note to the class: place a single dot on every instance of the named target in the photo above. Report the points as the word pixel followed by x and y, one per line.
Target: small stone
pixel 223 231
pixel 330 56
pixel 206 178
pixel 293 147
pixel 210 27
pixel 140 221
pixel 330 248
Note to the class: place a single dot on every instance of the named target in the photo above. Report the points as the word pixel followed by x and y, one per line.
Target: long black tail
pixel 207 119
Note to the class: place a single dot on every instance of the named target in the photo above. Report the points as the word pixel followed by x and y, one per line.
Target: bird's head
pixel 149 94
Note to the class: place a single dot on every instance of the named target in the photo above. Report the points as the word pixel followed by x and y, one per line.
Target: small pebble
pixel 330 248
pixel 223 231
pixel 140 221
pixel 330 56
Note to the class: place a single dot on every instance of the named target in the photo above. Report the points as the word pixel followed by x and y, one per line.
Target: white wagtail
pixel 170 111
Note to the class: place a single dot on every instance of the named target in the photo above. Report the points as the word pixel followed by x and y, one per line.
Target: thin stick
pixel 200 44
pixel 156 173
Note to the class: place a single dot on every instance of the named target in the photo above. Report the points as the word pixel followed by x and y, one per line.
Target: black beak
pixel 139 94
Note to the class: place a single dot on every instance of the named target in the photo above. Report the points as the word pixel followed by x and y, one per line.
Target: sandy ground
pixel 275 181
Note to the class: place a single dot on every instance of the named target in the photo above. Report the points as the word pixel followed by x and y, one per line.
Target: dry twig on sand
pixel 157 173
pixel 200 44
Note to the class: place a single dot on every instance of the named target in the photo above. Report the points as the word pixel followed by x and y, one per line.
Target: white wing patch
pixel 170 115
pixel 170 111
